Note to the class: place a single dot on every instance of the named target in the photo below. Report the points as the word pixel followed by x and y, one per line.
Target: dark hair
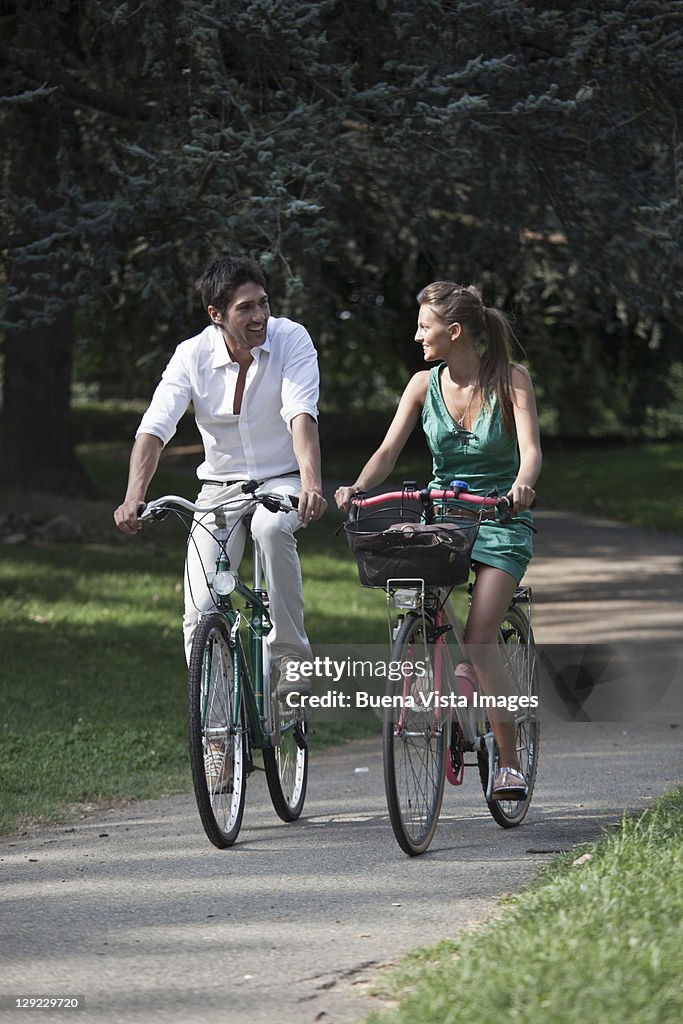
pixel 454 303
pixel 219 281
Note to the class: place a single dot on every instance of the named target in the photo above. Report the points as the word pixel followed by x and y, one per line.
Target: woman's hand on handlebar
pixel 521 497
pixel 343 496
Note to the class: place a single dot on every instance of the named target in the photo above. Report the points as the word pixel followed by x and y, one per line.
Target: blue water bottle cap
pixel 459 485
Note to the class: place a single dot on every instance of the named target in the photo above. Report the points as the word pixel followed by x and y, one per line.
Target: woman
pixel 479 417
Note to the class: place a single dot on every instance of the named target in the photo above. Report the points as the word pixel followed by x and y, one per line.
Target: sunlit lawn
pixel 92 704
pixel 92 701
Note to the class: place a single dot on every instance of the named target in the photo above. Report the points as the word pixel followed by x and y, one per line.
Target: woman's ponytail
pixel 494 372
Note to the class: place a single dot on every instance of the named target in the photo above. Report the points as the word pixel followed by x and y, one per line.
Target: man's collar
pixel 221 356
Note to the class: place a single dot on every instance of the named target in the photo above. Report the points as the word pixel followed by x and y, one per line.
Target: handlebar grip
pixel 532 505
pixel 505 508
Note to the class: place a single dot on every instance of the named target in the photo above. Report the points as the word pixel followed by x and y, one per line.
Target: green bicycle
pixel 231 709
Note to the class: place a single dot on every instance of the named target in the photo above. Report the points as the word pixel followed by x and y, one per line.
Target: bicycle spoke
pixel 287 767
pixel 519 659
pixel 414 744
pixel 217 733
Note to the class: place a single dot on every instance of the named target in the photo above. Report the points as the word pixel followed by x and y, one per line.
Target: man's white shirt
pixel 282 382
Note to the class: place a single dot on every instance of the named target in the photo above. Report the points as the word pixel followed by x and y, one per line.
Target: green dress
pixel 486 457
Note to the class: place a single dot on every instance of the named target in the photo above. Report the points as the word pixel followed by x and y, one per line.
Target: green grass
pixel 637 484
pixel 92 700
pixel 107 467
pixel 92 703
pixel 596 942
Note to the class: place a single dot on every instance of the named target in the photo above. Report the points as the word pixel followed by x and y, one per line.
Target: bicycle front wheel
pixel 286 766
pixel 217 733
pixel 414 740
pixel 518 654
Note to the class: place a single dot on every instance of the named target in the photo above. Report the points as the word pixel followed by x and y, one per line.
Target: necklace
pixel 460 420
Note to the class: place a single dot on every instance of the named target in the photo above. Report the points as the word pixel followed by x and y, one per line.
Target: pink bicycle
pixel 416 545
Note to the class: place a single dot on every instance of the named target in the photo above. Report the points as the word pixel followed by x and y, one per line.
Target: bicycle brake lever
pixel 505 510
pixel 276 504
pixel 505 514
pixel 160 513
pixel 156 513
pixel 352 514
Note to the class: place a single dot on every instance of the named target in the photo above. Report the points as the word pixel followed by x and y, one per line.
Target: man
pixel 253 382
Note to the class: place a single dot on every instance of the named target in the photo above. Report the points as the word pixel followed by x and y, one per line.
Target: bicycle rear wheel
pixel 519 657
pixel 217 733
pixel 287 766
pixel 414 741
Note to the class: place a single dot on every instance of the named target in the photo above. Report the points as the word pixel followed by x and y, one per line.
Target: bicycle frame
pixel 441 615
pixel 261 717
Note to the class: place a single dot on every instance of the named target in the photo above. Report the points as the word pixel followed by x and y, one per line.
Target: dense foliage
pixel 360 148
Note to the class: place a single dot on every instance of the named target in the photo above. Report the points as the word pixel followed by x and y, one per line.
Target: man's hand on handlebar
pixel 127 515
pixel 312 506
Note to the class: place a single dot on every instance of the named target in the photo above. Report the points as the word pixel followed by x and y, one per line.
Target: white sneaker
pixel 291 682
pixel 214 766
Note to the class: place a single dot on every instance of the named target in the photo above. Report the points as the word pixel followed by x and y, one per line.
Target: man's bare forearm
pixel 306 443
pixel 144 459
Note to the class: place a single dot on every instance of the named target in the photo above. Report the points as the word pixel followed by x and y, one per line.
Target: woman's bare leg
pixel 491 596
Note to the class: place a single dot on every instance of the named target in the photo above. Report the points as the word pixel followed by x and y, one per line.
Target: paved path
pixel 133 909
pixel 598 580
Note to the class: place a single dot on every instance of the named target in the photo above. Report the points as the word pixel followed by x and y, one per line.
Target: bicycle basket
pixel 393 544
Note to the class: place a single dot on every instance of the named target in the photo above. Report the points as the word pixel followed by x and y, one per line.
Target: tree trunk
pixel 37 443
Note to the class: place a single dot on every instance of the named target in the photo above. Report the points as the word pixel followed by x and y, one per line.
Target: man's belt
pixel 243 479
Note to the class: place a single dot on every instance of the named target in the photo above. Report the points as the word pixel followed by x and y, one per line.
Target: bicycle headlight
pixel 407 598
pixel 224 583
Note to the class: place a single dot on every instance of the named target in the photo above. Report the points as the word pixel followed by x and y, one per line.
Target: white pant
pixel 274 534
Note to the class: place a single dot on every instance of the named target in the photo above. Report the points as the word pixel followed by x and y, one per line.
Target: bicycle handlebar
pixel 427 494
pixel 410 492
pixel 273 502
